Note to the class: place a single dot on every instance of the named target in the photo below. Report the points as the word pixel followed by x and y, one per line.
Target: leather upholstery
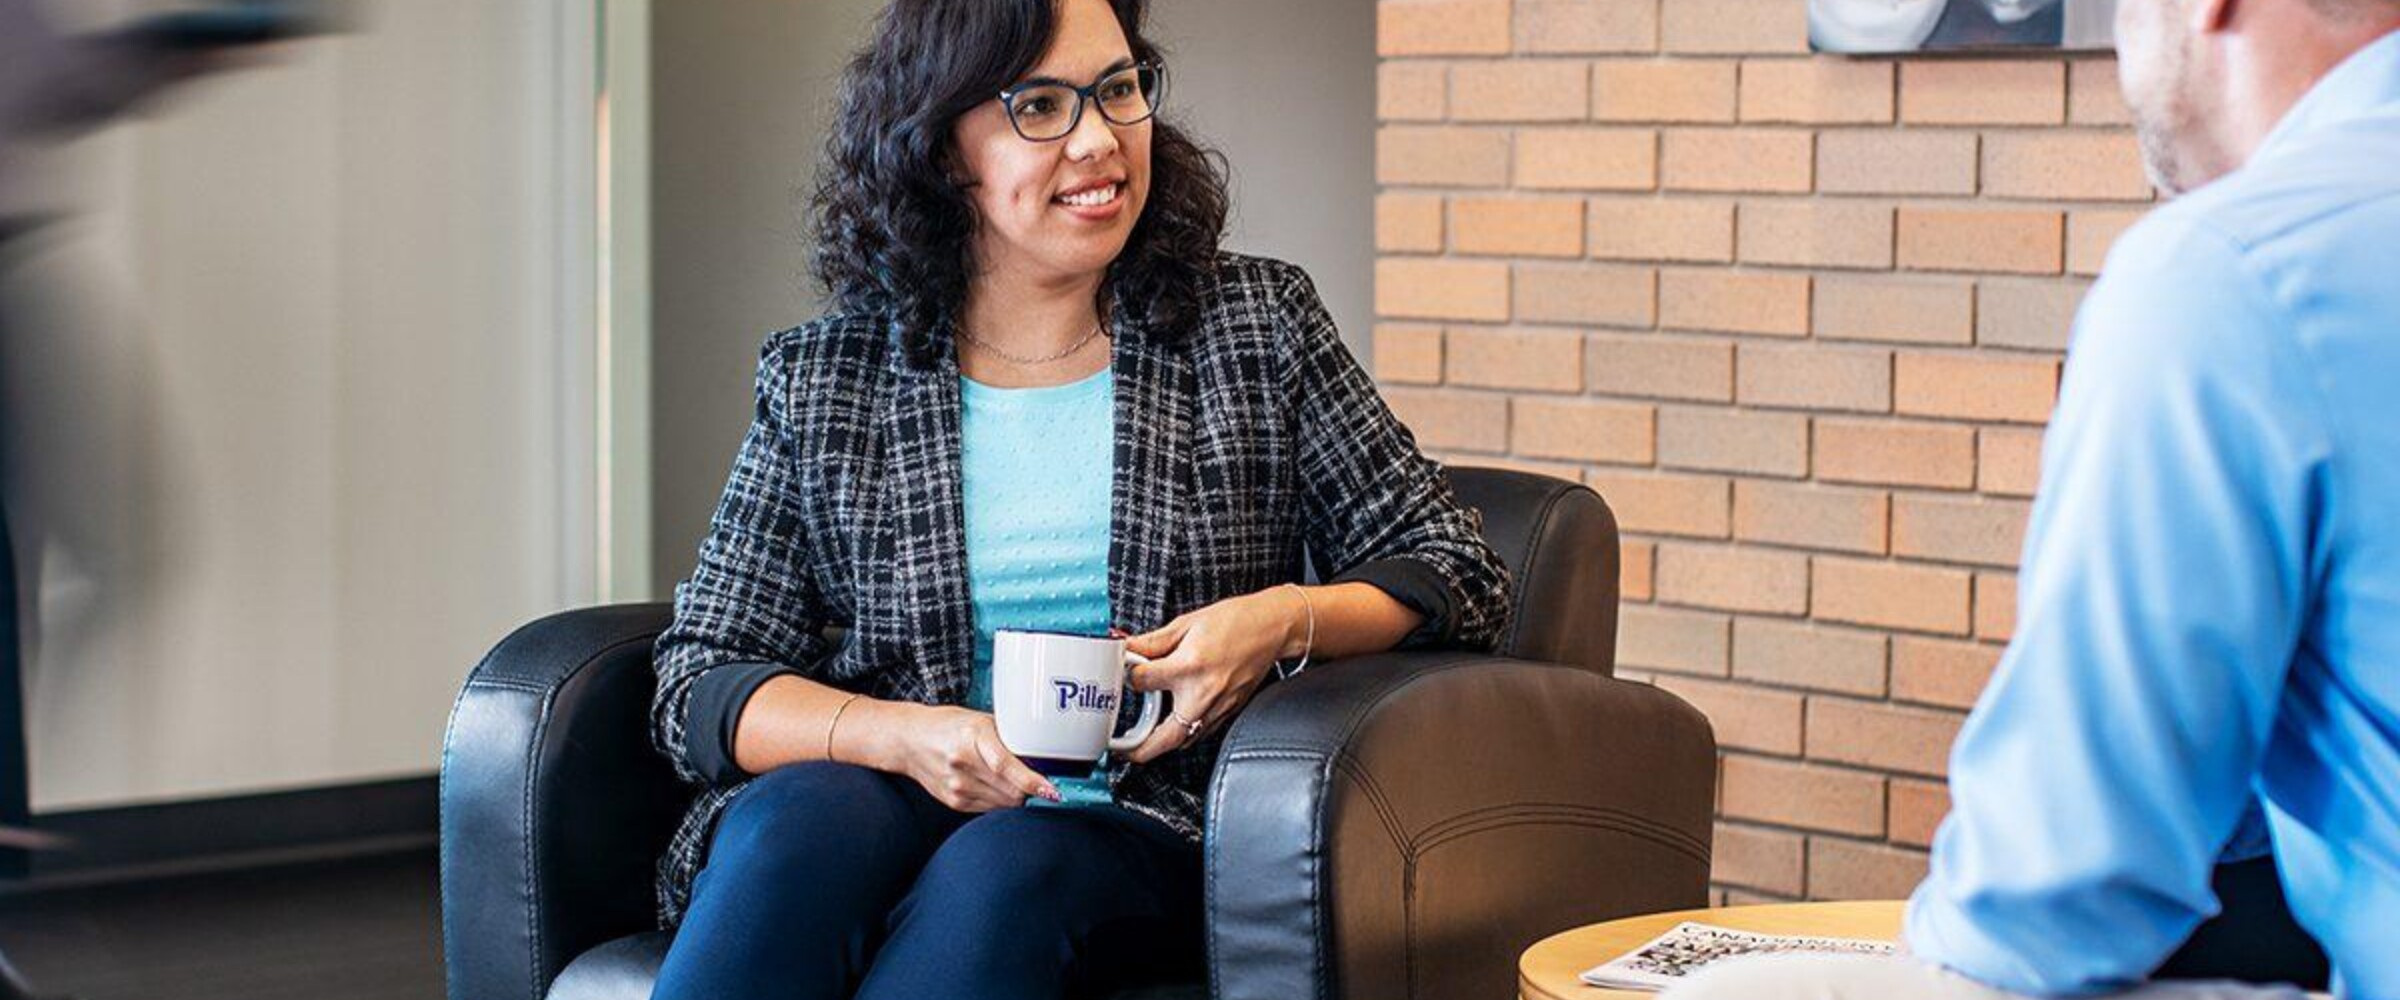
pixel 1559 542
pixel 1398 825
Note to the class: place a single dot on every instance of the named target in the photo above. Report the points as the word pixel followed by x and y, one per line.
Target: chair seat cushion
pixel 625 969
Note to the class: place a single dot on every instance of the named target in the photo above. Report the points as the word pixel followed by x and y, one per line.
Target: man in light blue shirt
pixel 2209 613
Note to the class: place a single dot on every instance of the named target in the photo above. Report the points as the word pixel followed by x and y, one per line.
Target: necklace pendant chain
pixel 1019 359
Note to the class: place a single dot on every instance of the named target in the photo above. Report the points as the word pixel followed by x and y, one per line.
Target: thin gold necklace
pixel 1019 359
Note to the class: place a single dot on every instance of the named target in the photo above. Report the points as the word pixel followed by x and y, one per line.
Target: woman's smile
pixel 1097 201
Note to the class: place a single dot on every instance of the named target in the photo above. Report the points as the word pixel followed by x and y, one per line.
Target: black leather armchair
pixel 1400 825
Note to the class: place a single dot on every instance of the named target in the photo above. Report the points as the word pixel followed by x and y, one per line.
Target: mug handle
pixel 1149 719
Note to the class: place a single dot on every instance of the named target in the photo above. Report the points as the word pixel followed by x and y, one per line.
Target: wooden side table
pixel 1548 970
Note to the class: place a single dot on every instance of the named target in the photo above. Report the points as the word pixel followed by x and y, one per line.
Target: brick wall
pixel 1799 319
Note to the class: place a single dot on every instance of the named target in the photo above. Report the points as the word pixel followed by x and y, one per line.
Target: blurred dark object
pixel 2253 937
pixel 252 23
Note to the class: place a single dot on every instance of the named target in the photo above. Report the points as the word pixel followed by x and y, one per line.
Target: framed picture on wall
pixel 1887 26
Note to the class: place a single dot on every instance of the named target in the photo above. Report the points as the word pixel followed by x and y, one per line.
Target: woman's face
pixel 1058 210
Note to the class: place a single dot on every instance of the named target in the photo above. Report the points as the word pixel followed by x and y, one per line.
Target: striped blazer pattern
pixel 1246 448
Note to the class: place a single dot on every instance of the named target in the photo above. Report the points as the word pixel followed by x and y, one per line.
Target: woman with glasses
pixel 1045 400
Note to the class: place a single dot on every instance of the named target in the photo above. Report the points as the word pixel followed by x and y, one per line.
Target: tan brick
pixel 1441 27
pixel 1733 26
pixel 1444 419
pixel 1885 453
pixel 1408 223
pixel 1665 504
pixel 1974 386
pixel 1530 90
pixel 1650 90
pixel 1433 288
pixel 1587 26
pixel 1816 233
pixel 1798 654
pixel 2093 94
pixel 1940 672
pixel 1635 562
pixel 1734 302
pixel 1411 90
pixel 1715 440
pixel 1673 229
pixel 1744 717
pixel 1814 377
pixel 2101 166
pixel 1584 430
pixel 1663 367
pixel 1917 808
pixel 2008 461
pixel 1881 161
pixel 2092 231
pixel 1586 295
pixel 1765 581
pixel 1408 352
pixel 1819 91
pixel 1441 155
pixel 2027 315
pixel 1847 869
pixel 1524 227
pixel 1586 159
pixel 1983 92
pixel 1890 595
pixel 1536 360
pixel 1884 737
pixel 1768 860
pixel 1936 311
pixel 1814 798
pixel 1684 642
pixel 1995 606
pixel 2020 242
pixel 1745 897
pixel 1810 516
pixel 1747 159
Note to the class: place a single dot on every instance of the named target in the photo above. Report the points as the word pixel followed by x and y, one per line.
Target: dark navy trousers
pixel 828 881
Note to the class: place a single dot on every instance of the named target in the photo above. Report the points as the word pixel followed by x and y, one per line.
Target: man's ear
pixel 2209 17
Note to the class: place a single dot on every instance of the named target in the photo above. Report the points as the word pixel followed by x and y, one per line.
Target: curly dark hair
pixel 894 231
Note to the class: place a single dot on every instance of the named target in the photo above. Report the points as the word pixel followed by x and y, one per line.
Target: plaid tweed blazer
pixel 1252 441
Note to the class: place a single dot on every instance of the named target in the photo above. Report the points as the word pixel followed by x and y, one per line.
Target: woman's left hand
pixel 1211 661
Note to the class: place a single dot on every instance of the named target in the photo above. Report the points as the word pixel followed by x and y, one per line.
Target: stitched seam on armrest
pixel 1533 813
pixel 541 728
pixel 1519 594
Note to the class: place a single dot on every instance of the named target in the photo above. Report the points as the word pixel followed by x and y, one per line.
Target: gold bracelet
pixel 836 721
pixel 1308 645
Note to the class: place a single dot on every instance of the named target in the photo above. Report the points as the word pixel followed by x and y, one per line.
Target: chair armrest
pixel 555 808
pixel 1406 824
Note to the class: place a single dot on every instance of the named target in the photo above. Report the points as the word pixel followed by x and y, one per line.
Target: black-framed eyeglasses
pixel 1049 110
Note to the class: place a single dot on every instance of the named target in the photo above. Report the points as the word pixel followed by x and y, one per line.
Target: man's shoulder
pixel 2336 185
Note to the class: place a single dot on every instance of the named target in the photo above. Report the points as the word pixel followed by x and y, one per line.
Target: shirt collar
pixel 2365 83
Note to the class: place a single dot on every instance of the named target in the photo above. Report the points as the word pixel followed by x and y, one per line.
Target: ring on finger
pixel 1191 727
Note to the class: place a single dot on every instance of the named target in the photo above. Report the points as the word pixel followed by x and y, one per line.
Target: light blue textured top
pixel 1037 465
pixel 2209 611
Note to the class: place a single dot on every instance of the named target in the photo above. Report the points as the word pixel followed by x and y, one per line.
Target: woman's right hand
pixel 956 755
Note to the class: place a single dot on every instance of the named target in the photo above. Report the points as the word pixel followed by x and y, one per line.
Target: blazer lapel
pixel 1149 492
pixel 928 515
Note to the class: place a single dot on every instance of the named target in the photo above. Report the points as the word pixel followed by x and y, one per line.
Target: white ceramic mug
pixel 1056 698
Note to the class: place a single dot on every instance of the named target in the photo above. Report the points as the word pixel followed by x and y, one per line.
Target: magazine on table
pixel 1683 950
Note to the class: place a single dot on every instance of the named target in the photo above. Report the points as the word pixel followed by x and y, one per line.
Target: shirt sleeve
pixel 751 610
pixel 2166 573
pixel 1375 509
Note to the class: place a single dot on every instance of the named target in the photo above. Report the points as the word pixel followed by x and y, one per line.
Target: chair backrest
pixel 1559 542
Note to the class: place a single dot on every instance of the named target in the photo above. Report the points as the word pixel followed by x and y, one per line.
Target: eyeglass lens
pixel 1049 111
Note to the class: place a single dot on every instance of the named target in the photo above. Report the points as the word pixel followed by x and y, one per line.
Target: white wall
pixel 298 408
pixel 743 90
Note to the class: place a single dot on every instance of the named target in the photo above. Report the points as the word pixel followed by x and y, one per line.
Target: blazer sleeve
pixel 1375 509
pixel 751 610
